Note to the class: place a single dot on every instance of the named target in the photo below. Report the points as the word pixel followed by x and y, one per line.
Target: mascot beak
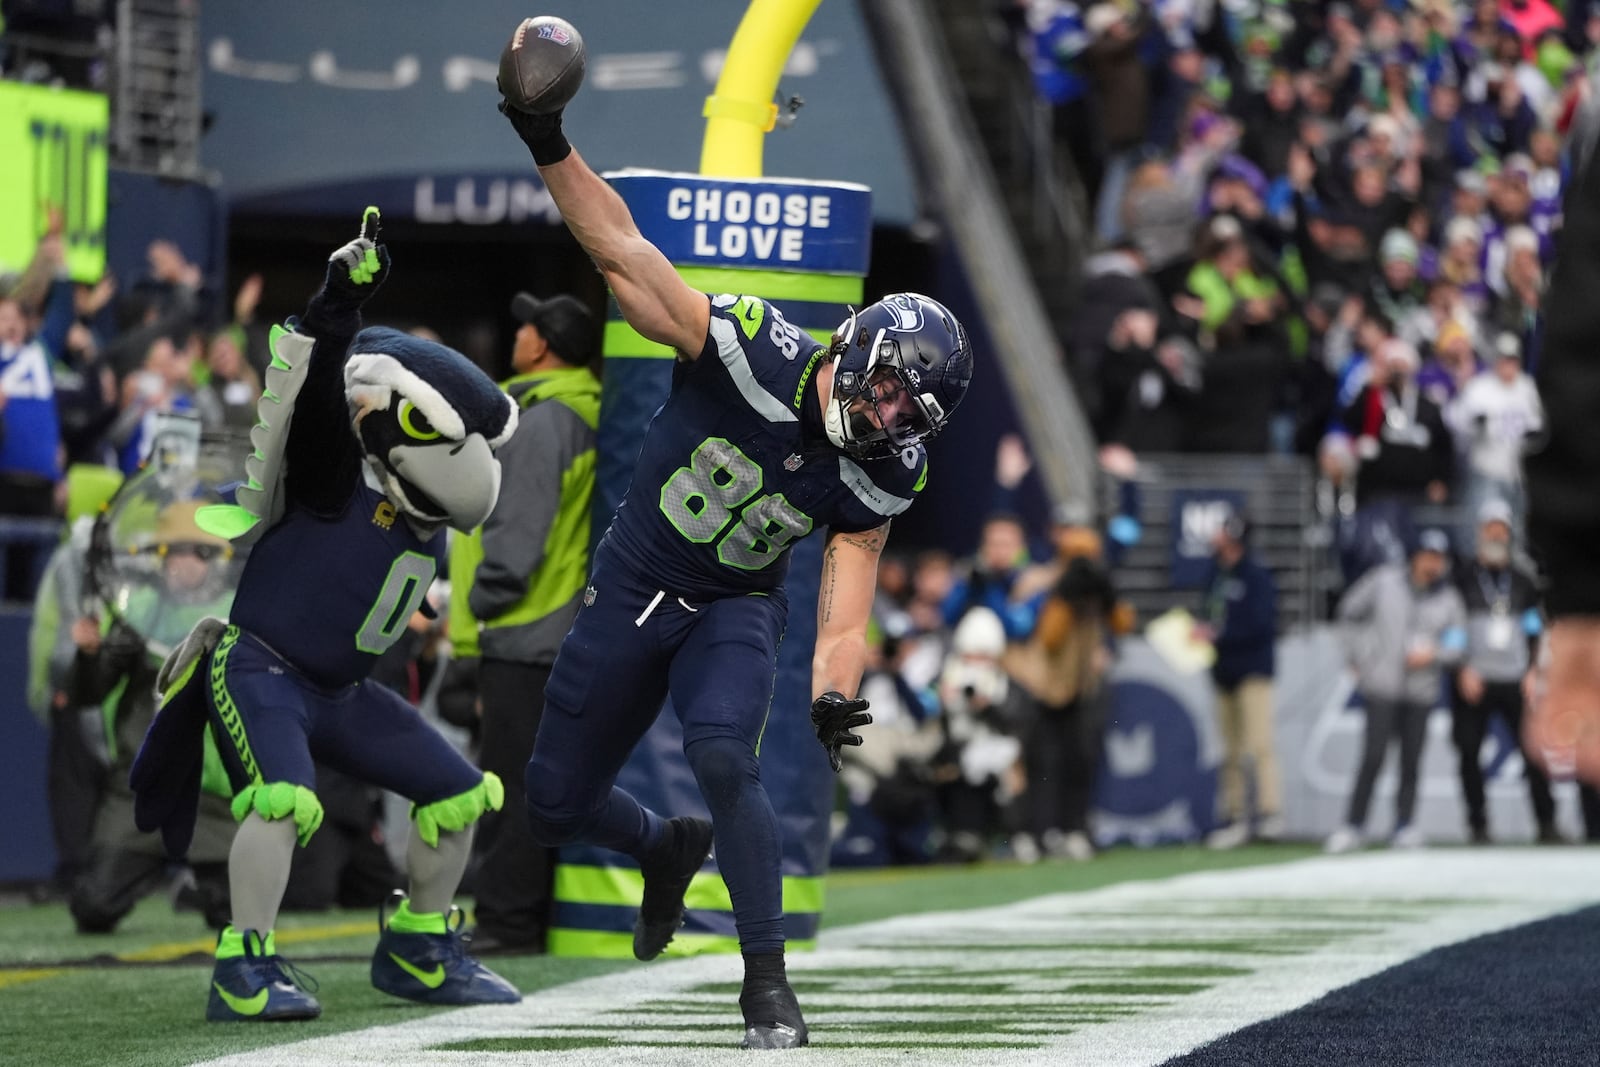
pixel 463 477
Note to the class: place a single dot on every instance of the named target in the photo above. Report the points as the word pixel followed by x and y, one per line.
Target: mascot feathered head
pixel 429 422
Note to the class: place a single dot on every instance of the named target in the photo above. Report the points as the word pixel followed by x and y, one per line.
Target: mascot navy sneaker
pixel 432 966
pixel 252 983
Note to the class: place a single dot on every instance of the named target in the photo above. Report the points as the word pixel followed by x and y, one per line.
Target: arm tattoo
pixel 868 540
pixel 825 594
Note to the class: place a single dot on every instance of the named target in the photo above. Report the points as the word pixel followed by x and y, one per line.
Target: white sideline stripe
pixel 1487 890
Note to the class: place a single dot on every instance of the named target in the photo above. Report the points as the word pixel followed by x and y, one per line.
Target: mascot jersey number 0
pixel 368 443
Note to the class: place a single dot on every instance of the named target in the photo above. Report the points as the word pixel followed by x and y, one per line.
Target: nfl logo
pixel 793 462
pixel 556 34
pixel 588 596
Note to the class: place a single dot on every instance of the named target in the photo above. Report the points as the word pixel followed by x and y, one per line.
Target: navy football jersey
pixel 725 482
pixel 332 594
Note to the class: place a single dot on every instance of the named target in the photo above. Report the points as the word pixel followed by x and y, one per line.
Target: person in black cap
pixel 516 583
pixel 563 329
pixel 1239 617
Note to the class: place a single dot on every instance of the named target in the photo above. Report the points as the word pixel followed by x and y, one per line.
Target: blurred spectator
pixel 1503 626
pixel 163 386
pixel 1238 312
pixel 1002 553
pixel 117 662
pixel 1545 181
pixel 1528 19
pixel 1397 290
pixel 1314 383
pixel 933 580
pixel 85 386
pixel 1271 124
pixel 1398 435
pixel 1158 213
pixel 1120 93
pixel 1060 669
pixel 1056 40
pixel 226 398
pixel 165 303
pixel 1373 206
pixel 30 432
pixel 1145 385
pixel 1515 308
pixel 1460 262
pixel 1115 282
pixel 889 604
pixel 1239 618
pixel 888 784
pixel 1454 363
pixel 76 759
pixel 1498 111
pixel 977 771
pixel 1493 417
pixel 1447 147
pixel 1403 624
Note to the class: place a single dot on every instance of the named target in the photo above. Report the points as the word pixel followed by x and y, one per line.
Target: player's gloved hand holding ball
pixel 540 71
pixel 834 716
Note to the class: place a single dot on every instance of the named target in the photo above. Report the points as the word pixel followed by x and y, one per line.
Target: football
pixel 542 65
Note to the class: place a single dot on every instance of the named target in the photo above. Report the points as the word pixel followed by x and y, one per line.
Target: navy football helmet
pixel 900 367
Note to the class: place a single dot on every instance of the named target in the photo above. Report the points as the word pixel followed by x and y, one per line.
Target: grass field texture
pixel 137 996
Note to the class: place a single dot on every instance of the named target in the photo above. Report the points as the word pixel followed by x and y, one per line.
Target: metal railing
pixel 155 100
pixel 1288 535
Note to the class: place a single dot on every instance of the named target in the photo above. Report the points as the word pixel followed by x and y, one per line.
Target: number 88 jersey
pixel 735 468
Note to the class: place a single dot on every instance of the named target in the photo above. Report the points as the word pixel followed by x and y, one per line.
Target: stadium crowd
pixel 1323 228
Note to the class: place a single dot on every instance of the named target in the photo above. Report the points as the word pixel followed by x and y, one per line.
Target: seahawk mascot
pixel 369 442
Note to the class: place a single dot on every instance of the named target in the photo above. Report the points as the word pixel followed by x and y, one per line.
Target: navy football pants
pixel 364 730
pixel 627 651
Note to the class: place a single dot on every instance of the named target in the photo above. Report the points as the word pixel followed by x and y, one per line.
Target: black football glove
pixel 541 133
pixel 357 270
pixel 834 716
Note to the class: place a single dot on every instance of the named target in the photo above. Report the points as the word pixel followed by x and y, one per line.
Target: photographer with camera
pixel 978 771
pixel 1061 670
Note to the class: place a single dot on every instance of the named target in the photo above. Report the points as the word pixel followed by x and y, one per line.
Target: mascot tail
pixel 166 773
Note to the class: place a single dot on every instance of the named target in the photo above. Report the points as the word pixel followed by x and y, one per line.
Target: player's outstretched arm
pixel 652 297
pixel 844 608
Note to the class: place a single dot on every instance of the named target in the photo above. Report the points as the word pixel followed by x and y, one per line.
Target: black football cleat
pixel 667 874
pixel 771 1016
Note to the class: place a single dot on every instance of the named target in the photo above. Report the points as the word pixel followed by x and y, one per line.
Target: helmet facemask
pixel 876 406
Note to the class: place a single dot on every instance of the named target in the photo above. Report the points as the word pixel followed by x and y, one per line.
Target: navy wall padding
pixel 29 854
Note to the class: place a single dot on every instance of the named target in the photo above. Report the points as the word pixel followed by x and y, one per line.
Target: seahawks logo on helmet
pixel 906 311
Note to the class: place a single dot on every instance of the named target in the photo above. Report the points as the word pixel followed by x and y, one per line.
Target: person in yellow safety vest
pixel 515 587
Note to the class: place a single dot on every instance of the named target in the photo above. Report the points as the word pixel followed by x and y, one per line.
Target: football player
pixel 369 443
pixel 765 437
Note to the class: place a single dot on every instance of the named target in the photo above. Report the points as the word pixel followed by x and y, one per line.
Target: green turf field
pixel 143 1003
